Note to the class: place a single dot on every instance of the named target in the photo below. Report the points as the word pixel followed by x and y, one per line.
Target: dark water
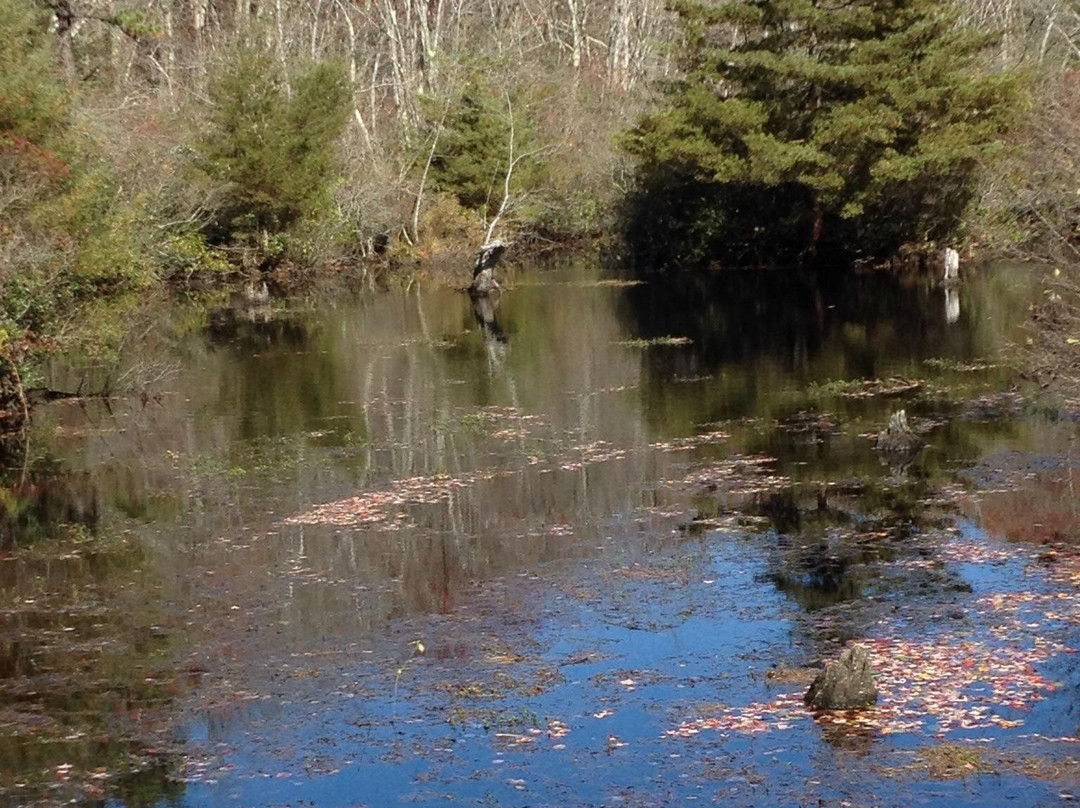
pixel 609 513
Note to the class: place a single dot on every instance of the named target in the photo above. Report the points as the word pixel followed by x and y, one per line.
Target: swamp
pixel 533 403
pixel 584 542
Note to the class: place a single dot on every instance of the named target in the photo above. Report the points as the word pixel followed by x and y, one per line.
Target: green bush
pixel 69 230
pixel 270 153
pixel 35 172
pixel 184 253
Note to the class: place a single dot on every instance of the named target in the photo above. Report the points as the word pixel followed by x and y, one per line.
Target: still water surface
pixel 617 517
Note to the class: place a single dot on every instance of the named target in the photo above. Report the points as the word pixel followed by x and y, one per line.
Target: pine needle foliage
pixel 796 124
pixel 473 151
pixel 33 102
pixel 271 152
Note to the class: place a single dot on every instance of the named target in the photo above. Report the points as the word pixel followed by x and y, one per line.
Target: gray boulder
pixel 846 683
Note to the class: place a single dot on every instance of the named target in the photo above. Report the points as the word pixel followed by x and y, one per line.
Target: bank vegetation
pixel 153 142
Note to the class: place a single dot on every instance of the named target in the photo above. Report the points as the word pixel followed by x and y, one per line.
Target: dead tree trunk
pixel 483 282
pixel 65 31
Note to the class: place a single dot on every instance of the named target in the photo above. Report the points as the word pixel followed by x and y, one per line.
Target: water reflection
pixel 495 339
pixel 274 414
pixel 38 495
pixel 320 468
pixel 952 304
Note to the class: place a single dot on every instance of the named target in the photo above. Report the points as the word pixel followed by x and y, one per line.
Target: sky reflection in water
pixel 608 511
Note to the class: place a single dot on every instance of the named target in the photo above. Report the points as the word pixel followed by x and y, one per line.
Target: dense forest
pixel 179 141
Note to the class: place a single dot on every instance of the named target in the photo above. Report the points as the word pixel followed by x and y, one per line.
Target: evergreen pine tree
pixel 474 149
pixel 857 124
pixel 271 154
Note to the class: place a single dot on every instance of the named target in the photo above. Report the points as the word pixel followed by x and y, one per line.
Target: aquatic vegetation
pixel 654 342
pixel 738 475
pixel 956 366
pixel 613 283
pixel 866 388
pixel 691 441
pixel 619 283
pixel 950 760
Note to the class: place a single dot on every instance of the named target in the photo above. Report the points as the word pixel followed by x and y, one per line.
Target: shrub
pixel 271 154
pixel 33 102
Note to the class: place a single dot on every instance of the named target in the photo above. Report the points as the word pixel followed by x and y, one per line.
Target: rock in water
pixel 846 683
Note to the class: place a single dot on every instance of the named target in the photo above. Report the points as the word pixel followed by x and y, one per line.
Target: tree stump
pixel 483 282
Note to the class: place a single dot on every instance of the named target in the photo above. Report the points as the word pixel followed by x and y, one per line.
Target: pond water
pixel 574 546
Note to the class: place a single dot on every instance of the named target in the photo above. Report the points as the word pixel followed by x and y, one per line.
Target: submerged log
pixel 483 282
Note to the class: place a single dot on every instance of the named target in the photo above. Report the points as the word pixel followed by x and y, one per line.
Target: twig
pixel 417 648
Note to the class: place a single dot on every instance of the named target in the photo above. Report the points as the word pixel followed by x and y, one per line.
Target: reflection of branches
pixel 1048 355
pixel 139 374
pixel 146 373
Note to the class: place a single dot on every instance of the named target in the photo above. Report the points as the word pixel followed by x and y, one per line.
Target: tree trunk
pixel 575 32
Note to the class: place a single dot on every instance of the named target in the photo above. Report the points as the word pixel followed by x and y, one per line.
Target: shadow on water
pixel 582 495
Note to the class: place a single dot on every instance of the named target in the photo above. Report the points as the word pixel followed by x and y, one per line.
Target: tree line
pixel 147 141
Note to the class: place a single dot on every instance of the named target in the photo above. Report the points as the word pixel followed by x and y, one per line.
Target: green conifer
pixel 854 123
pixel 473 151
pixel 272 154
